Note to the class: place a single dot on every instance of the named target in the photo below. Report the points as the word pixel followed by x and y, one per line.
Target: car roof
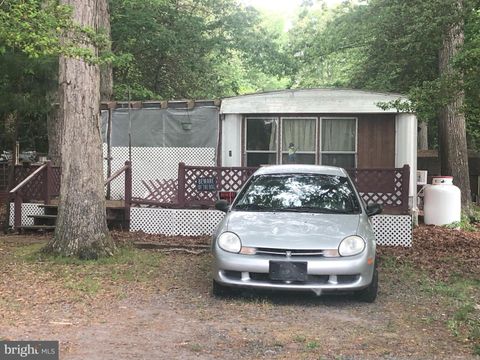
pixel 301 169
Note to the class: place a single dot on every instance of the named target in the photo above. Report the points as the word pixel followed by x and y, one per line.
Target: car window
pixel 299 193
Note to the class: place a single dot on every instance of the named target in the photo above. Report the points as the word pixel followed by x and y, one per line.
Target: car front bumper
pixel 324 274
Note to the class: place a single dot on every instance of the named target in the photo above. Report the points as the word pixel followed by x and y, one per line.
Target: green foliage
pixel 464 224
pixel 468 222
pixel 40 28
pixel 193 49
pixel 24 88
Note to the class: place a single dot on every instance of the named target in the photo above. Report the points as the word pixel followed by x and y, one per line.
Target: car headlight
pixel 351 245
pixel 230 242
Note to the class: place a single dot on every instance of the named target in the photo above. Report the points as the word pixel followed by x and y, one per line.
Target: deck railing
pixel 127 170
pixel 201 186
pixel 42 183
pixel 386 186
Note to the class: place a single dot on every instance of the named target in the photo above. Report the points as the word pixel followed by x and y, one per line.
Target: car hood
pixel 287 230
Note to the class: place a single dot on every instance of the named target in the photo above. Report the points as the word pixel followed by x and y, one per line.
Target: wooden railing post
pixel 48 185
pixel 406 187
pixel 128 192
pixel 219 185
pixel 17 219
pixel 181 185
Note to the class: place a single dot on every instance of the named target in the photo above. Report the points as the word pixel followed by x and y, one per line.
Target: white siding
pixel 231 140
pixel 406 148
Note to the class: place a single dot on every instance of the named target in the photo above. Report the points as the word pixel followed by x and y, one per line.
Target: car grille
pixel 287 252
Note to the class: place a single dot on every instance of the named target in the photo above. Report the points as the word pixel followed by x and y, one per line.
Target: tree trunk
pixel 103 25
pixel 422 135
pixel 81 224
pixel 54 132
pixel 452 132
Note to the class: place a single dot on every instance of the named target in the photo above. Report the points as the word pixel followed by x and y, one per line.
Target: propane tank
pixel 442 202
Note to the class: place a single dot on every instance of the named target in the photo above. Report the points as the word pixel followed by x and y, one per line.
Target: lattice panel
pixel 164 191
pixel 388 187
pixel 174 222
pixel 34 189
pixel 393 230
pixel 153 163
pixel 27 209
pixel 234 179
pixel 227 179
pixel 55 181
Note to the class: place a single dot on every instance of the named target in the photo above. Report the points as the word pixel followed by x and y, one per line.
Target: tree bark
pixel 54 132
pixel 106 76
pixel 452 131
pixel 81 228
pixel 422 135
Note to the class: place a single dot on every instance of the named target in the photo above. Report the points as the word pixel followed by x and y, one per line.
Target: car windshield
pixel 299 193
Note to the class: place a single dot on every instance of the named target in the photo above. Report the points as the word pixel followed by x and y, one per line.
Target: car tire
pixel 219 290
pixel 369 294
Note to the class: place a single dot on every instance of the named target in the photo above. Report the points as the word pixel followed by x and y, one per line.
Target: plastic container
pixel 442 202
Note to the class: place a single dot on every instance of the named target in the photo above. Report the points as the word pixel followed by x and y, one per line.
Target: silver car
pixel 297 227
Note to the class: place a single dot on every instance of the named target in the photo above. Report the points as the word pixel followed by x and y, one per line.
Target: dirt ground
pixel 149 304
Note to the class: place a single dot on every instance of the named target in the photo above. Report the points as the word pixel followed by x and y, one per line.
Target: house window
pixel 299 140
pixel 339 142
pixel 270 140
pixel 261 141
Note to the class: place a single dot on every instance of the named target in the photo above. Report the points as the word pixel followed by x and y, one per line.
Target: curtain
pixel 300 132
pixel 273 135
pixel 338 134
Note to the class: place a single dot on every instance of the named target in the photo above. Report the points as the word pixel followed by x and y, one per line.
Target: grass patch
pixel 459 297
pixel 312 345
pixel 299 338
pixel 89 277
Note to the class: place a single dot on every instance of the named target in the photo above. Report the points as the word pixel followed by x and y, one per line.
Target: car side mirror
pixel 374 209
pixel 222 205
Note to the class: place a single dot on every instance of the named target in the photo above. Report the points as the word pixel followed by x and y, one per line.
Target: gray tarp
pixel 197 127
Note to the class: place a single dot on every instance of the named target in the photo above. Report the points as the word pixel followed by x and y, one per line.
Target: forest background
pixel 209 49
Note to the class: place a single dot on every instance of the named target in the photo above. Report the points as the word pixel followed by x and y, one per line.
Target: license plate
pixel 288 270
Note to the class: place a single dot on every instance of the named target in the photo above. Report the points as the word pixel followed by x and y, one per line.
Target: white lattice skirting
pixel 174 222
pixel 27 209
pixel 390 230
pixel 393 230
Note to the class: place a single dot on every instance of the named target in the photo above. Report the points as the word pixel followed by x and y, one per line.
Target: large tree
pixel 81 228
pixel 452 128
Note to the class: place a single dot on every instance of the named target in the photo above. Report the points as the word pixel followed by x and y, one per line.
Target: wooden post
pixel 17 220
pixel 48 180
pixel 128 192
pixel 181 185
pixel 218 186
pixel 406 187
pixel 109 152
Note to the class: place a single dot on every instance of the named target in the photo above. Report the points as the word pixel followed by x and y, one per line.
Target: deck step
pixel 43 216
pixel 37 228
